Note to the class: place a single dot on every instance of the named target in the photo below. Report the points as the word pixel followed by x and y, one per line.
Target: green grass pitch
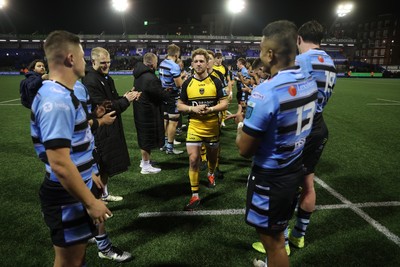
pixel 358 192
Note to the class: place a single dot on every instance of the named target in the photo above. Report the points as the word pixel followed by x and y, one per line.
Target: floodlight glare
pixel 235 6
pixel 344 9
pixel 120 5
pixel 3 3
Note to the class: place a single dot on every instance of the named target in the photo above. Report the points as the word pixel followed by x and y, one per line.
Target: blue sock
pixel 303 219
pixel 170 146
pixel 286 234
pixel 103 242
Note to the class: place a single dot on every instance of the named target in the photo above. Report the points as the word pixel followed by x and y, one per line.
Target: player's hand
pixel 109 117
pixel 97 181
pixel 230 116
pixel 132 95
pixel 103 108
pixel 199 109
pixel 98 211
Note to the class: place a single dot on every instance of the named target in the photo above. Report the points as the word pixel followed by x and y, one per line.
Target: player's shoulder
pixel 216 80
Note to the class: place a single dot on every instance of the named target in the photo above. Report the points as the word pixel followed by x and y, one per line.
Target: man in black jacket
pixel 148 111
pixel 32 82
pixel 110 139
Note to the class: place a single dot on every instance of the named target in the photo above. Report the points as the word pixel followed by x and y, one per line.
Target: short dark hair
pixel 284 34
pixel 311 31
pixel 257 63
pixel 218 54
pixel 57 43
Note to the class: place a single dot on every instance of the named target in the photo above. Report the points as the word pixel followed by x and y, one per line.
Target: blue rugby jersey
pixel 59 120
pixel 81 92
pixel 323 70
pixel 280 111
pixel 168 70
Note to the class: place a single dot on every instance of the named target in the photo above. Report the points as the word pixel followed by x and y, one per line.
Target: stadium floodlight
pixel 120 5
pixel 344 9
pixel 3 3
pixel 235 6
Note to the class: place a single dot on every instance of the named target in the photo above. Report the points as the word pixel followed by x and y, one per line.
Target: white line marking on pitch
pixel 346 204
pixel 241 211
pixel 362 214
pixel 383 104
pixel 392 102
pixel 192 213
pixel 12 100
pixel 388 100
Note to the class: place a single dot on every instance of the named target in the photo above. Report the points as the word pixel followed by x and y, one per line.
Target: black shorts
pixel 170 106
pixel 68 221
pixel 272 196
pixel 314 146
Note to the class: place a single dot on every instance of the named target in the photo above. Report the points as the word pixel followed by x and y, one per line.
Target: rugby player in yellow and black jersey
pixel 219 66
pixel 203 97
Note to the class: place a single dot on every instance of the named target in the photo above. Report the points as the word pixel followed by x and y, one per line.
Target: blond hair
pixel 202 52
pixel 97 51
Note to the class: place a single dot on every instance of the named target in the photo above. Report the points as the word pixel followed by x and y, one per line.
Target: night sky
pixel 96 16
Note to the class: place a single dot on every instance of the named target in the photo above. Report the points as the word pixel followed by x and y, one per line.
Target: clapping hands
pixel 132 95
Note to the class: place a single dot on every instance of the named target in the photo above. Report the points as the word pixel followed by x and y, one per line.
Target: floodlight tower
pixel 234 7
pixel 121 6
pixel 342 10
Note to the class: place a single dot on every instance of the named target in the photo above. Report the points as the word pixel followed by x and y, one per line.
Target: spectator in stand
pixel 110 139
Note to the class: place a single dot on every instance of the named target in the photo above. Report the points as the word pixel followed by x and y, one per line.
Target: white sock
pixel 146 163
pixel 105 191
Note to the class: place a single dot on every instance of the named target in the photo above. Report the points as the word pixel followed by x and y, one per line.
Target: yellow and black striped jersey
pixel 219 75
pixel 224 71
pixel 207 92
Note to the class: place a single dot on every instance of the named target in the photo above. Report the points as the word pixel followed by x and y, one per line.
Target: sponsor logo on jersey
pixel 47 107
pixel 249 109
pixel 257 95
pixel 292 91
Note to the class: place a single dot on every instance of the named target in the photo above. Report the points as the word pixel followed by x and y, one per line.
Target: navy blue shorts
pixel 170 106
pixel 314 146
pixel 67 219
pixel 272 196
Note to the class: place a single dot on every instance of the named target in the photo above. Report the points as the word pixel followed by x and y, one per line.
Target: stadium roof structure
pixel 141 38
pixel 148 39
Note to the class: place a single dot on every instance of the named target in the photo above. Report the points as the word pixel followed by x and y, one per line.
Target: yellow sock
pixel 194 180
pixel 203 152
